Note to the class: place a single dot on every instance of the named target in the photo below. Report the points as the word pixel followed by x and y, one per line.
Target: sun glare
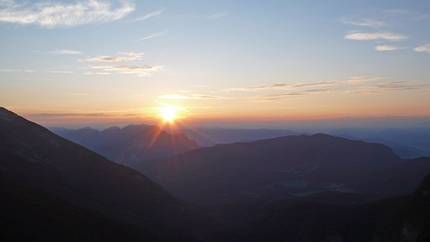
pixel 168 113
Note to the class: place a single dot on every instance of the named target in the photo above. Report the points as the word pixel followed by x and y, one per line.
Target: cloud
pixel 405 12
pixel 398 85
pixel 325 90
pixel 283 86
pixel 66 52
pixel 255 88
pixel 84 115
pixel 388 47
pixel 190 96
pixel 362 79
pixel 375 36
pixel 153 35
pixel 399 11
pixel 366 23
pixel 16 70
pixel 128 56
pixel 352 85
pixel 423 48
pixel 60 72
pixel 9 70
pixel 51 14
pixel 145 70
pixel 327 83
pixel 218 15
pixel 149 15
pixel 274 97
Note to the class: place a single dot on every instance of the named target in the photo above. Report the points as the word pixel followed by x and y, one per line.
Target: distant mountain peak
pixel 132 143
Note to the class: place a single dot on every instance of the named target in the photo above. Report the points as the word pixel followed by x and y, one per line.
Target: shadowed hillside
pixel 54 190
pixel 285 167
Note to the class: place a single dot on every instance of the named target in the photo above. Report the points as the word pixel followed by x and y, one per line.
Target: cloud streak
pixel 388 48
pixel 366 23
pixel 50 14
pixel 352 85
pixel 66 52
pixel 190 96
pixel 149 15
pixel 376 36
pixel 128 56
pixel 144 70
pixel 153 35
pixel 218 15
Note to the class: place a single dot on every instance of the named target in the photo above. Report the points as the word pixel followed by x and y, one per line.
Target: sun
pixel 168 113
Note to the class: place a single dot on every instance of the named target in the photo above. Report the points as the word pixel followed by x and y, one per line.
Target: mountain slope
pixel 132 143
pixel 213 136
pixel 281 168
pixel 395 219
pixel 43 171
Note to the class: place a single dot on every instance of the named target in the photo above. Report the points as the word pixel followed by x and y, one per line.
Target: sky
pixel 244 63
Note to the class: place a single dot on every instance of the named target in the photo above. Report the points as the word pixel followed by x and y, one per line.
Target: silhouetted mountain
pixel 132 143
pixel 54 190
pixel 286 167
pixel 212 136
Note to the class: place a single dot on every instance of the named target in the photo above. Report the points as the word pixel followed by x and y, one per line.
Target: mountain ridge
pixel 53 170
pixel 280 168
pixel 131 143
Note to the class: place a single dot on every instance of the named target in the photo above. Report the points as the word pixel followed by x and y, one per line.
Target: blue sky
pixel 121 61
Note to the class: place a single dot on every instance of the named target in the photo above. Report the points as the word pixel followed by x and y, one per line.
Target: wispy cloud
pixel 60 72
pixel 65 52
pixel 218 15
pixel 190 96
pixel 411 14
pixel 128 56
pixel 316 84
pixel 423 48
pixel 388 47
pixel 399 11
pixel 16 70
pixel 281 96
pixel 153 35
pixel 149 15
pixel 366 23
pixel 398 85
pixel 352 85
pixel 283 86
pixel 363 79
pixel 144 70
pixel 85 115
pixel 51 14
pixel 375 36
pixel 261 87
pixel 10 70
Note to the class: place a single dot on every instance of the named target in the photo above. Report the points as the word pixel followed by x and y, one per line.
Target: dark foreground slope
pixel 395 219
pixel 132 143
pixel 54 190
pixel 285 167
